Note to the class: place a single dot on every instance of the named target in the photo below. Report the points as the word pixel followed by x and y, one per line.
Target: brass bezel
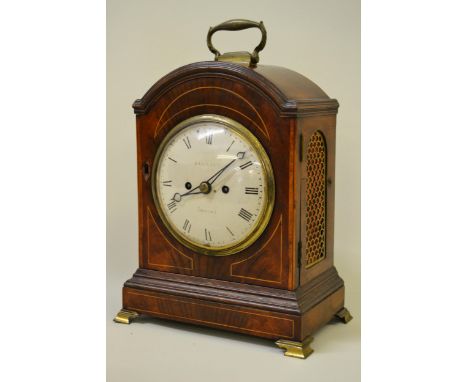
pixel 269 190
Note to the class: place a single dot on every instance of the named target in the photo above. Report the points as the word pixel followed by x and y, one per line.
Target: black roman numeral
pixel 207 235
pixel 209 139
pixel 230 146
pixel 172 160
pixel 251 190
pixel 167 183
pixel 187 142
pixel 172 206
pixel 187 226
pixel 245 165
pixel 230 231
pixel 246 215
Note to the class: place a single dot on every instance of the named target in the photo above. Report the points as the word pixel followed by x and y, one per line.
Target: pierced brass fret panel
pixel 316 195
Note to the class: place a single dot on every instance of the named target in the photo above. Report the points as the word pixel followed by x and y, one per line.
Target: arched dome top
pixel 292 84
pixel 292 92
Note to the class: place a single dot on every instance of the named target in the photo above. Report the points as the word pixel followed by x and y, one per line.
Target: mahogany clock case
pixel 284 286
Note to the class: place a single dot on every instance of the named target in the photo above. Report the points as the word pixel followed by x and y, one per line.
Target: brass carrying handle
pixel 237 25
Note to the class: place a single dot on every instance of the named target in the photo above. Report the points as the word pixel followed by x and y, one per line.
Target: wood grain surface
pixel 264 290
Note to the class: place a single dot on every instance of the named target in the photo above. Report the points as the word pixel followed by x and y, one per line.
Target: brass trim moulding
pixel 125 316
pixel 296 349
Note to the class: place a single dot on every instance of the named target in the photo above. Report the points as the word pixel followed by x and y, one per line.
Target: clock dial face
pixel 213 185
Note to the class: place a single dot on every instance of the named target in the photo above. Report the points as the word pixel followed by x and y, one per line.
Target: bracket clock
pixel 236 175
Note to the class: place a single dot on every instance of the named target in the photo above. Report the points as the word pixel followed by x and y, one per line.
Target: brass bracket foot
pixel 125 316
pixel 296 349
pixel 344 315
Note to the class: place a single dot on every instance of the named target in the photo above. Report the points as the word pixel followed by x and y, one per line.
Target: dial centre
pixel 205 187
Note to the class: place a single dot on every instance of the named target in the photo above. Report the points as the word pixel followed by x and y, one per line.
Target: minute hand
pixel 216 175
pixel 178 197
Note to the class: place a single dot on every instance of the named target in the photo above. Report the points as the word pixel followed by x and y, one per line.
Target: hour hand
pixel 178 197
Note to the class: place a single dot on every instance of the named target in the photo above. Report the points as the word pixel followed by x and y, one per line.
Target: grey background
pixel 145 41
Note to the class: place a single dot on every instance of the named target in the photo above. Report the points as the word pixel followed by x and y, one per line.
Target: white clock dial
pixel 213 185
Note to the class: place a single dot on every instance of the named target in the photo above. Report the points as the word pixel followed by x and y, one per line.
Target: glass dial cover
pixel 213 185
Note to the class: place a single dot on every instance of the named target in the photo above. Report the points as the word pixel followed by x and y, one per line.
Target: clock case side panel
pixel 312 128
pixel 319 305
